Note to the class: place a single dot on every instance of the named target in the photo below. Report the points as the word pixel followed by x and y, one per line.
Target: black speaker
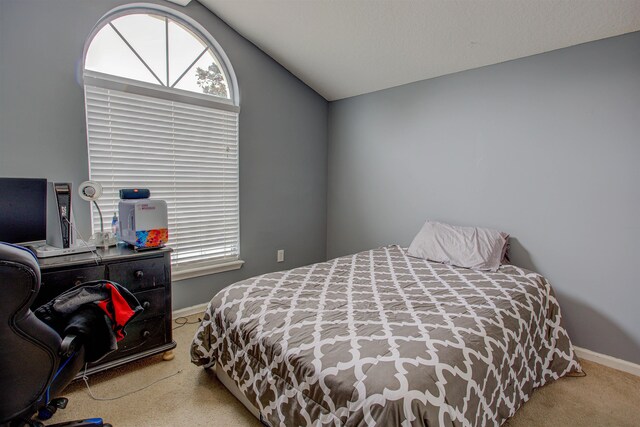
pixel 135 193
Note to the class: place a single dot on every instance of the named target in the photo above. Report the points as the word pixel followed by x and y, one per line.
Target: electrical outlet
pixel 280 255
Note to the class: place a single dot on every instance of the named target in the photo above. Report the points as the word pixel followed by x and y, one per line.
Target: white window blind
pixel 185 154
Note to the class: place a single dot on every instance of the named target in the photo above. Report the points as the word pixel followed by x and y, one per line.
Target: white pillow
pixel 469 247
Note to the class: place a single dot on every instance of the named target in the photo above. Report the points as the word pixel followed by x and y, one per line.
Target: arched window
pixel 162 113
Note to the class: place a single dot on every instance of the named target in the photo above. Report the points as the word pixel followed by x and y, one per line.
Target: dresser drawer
pixel 56 282
pixel 153 302
pixel 140 274
pixel 141 335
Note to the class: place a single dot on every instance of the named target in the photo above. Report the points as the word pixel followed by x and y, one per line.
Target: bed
pixel 382 338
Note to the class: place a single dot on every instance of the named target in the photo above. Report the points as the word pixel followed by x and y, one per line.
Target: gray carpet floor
pixel 193 396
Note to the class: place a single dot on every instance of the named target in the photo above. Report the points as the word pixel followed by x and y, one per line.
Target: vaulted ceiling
pixel 342 48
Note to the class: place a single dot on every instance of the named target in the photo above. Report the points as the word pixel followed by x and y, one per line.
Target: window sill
pixel 205 270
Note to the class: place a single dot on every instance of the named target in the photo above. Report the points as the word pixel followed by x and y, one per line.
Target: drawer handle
pixel 146 305
pixel 145 334
pixel 139 274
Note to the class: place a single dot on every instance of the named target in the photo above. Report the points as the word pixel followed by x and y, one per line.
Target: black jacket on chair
pixel 97 311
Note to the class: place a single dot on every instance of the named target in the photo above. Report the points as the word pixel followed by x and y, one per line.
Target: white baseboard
pixel 188 311
pixel 611 362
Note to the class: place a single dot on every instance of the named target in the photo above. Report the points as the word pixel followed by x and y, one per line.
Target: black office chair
pixel 36 364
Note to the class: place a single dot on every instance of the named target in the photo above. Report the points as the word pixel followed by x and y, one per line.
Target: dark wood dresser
pixel 147 274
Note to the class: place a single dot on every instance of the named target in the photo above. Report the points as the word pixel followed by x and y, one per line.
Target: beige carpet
pixel 194 397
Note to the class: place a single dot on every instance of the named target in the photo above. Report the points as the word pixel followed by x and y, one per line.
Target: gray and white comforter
pixel 380 338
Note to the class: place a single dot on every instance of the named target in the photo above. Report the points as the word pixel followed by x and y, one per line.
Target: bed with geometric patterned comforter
pixel 381 338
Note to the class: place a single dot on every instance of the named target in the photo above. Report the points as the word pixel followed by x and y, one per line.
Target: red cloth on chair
pixel 117 309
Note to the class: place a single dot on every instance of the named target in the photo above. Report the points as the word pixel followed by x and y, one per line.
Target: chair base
pixel 89 422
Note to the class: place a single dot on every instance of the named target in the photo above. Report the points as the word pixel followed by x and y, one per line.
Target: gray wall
pixel 546 148
pixel 283 131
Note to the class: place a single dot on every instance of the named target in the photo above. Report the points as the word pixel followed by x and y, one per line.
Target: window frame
pixel 199 30
pixel 108 81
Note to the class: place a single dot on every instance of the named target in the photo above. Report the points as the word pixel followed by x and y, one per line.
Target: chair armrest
pixel 70 344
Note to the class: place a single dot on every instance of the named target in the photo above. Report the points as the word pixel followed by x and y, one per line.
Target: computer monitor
pixel 23 210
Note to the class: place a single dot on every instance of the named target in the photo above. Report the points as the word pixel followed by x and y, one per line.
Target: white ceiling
pixel 343 48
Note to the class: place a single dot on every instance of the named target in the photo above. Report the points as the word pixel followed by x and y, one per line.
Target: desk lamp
pixel 91 192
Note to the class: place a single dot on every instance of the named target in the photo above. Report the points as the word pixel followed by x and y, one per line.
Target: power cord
pixel 182 321
pixel 96 255
pixel 85 378
pixel 580 374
